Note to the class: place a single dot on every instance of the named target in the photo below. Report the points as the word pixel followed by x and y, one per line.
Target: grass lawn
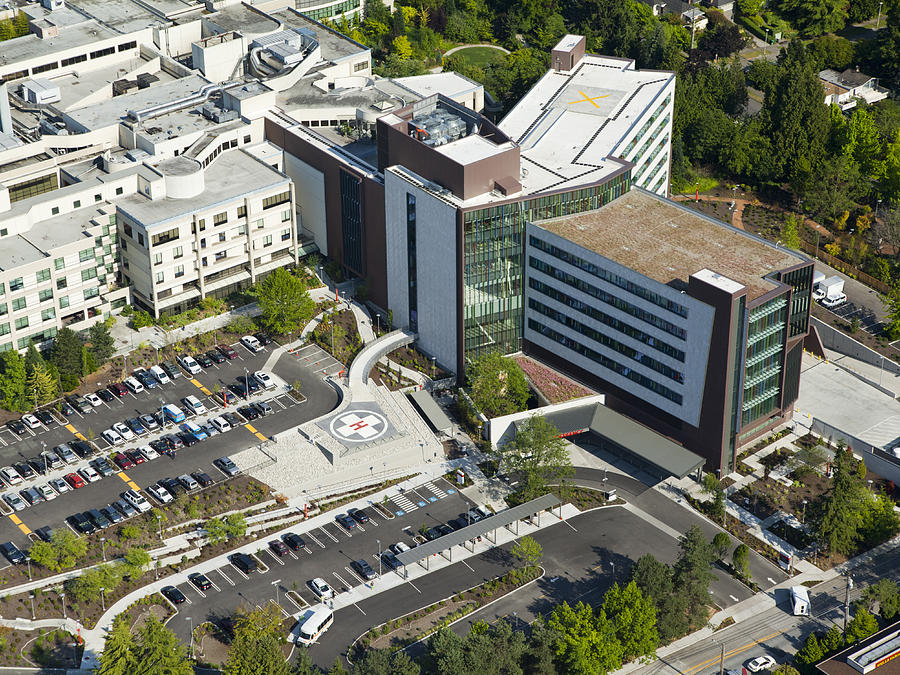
pixel 480 56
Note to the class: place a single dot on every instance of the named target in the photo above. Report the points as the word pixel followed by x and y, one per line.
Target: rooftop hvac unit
pixel 144 80
pixel 216 114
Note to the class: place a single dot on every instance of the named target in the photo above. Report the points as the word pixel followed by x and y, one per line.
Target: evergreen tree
pixel 41 385
pixel 256 648
pixel 634 618
pixel 117 658
pixel 833 640
pixel 445 653
pixel 21 24
pixel 338 668
pixel 692 574
pixel 88 365
pixel 842 514
pixel 13 381
pixel 66 353
pixel 861 626
pixel 809 655
pixel 304 665
pixel 889 44
pixel 102 343
pixel 158 650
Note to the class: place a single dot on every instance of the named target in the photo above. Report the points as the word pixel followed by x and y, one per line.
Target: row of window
pixel 606 275
pixel 606 319
pixel 53 65
pixel 649 123
pixel 606 362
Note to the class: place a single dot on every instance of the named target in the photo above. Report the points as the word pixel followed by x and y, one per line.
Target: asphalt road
pixel 328 553
pixel 287 413
pixel 776 631
pixel 681 518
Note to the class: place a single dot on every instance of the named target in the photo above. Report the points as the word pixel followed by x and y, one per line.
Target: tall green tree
pixel 815 17
pixel 445 653
pixel 158 650
pixel 841 515
pixel 13 381
pixel 41 385
pixel 796 118
pixel 832 641
pixel 740 560
pixel 65 354
pixel 256 648
pixel 862 141
pixel 539 455
pixel 498 385
pixel 528 550
pixel 790 233
pixel 861 626
pixel 101 342
pixel 541 653
pixel 634 619
pixel 692 573
pixel 285 302
pixel 116 658
pixel 809 655
pixel 588 644
pixel 888 39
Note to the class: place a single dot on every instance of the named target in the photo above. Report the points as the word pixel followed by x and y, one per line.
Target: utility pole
pixel 722 659
pixel 847 601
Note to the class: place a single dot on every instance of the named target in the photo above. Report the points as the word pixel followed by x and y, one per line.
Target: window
pixel 76 204
pixel 2 288
pixel 120 190
pixel 16 284
pixel 157 258
pixel 285 234
pixel 267 240
pixel 46 294
pixel 125 46
pixel 165 237
pixel 140 239
pixel 3 309
pixel 4 232
pixel 43 275
pixel 87 275
pixel 242 212
pixel 285 216
pixel 34 186
pixel 220 218
pixel 221 255
pixel 247 138
pixel 362 65
pixel 203 243
pixel 44 68
pixel 91 293
pixel 61 283
pixel 103 52
pixel 159 277
pixel 74 59
pixel 54 211
pixel 177 252
pixel 4 329
pixel 48 314
pixel 98 198
pixel 275 200
pixel 60 263
pixel 179 271
pixel 128 231
pixel 221 236
pixel 21 323
pixel 64 302
pixel 85 255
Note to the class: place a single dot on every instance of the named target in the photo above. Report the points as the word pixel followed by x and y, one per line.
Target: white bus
pixel 800 600
pixel 313 623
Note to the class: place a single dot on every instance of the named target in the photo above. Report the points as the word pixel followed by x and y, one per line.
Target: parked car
pixel 37 463
pixel 195 430
pixel 93 399
pixel 111 514
pixel 31 421
pixel 215 356
pixel 320 588
pixel 80 523
pixel 457 523
pixel 134 498
pixel 45 533
pixel 363 569
pixel 237 389
pixel 194 405
pixel 160 445
pixel 189 483
pixel 264 379
pixel 358 515
pixel 118 389
pixel 160 374
pixel 148 452
pixel 80 404
pixel 31 495
pixel 112 437
pixel 14 501
pixel 174 441
pixel 97 518
pixel 66 409
pixel 122 461
pixel 135 457
pixel 390 560
pixel 59 485
pixel 146 378
pixel 135 425
pixel 105 395
pixel 204 361
pixel 173 595
pixel 263 408
pixel 16 427
pixel 432 533
pixel 294 541
pixel 263 338
pixel 249 383
pixel 171 370
pixel 203 478
pixel 278 548
pixel 122 429
pixel 12 553
pixel 134 385
pixel 45 417
pixel 125 508
pixel 89 474
pixel 102 466
pixel 345 521
pixel 251 343
pixel 81 448
pixel 10 475
pixel 228 467
pixel 249 412
pixel 46 491
pixel 243 562
pixel 149 422
pixel 74 480
pixel 65 453
pixel 173 485
pixel 24 469
pixel 200 581
pixel 232 419
pixel 399 547
pixel 189 364
pixel 187 439
pixel 160 494
pixel 53 460
pixel 220 424
pixel 227 352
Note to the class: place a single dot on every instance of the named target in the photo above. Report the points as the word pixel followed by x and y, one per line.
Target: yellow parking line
pixel 249 427
pixel 16 520
pixel 133 485
pixel 80 436
pixel 261 437
pixel 201 387
pixel 195 383
pixel 71 428
pixel 25 529
pixel 124 476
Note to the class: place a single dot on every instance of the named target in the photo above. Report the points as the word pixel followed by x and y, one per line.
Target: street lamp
pixel 432 367
pixel 803 517
pixel 275 584
pixel 103 544
pixel 379 556
pixel 28 560
pixel 62 596
pixel 247 384
pixel 159 523
pixel 878 22
pixel 191 647
pixel 33 615
pixel 102 599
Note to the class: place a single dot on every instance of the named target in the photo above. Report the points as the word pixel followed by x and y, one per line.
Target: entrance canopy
pixel 431 411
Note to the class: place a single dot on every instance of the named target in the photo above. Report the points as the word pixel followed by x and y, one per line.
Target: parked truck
pixel 817 292
pixel 834 292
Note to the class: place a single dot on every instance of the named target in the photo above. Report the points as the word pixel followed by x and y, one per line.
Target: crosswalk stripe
pixel 404 503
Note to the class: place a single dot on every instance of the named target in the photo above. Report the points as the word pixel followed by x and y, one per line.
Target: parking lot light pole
pixel 379 556
pixel 159 523
pixel 246 385
pixel 191 647
pixel 275 584
pixel 102 599
pixel 44 455
pixel 103 545
pixel 28 560
pixel 33 615
pixel 62 596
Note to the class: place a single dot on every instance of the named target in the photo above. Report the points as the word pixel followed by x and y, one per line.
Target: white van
pixel 134 385
pixel 193 404
pixel 313 623
pixel 134 498
pixel 173 413
pixel 159 374
pixel 221 424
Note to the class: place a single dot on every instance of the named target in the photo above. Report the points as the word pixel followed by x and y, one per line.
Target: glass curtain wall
pixel 766 337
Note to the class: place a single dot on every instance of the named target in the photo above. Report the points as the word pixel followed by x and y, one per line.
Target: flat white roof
pixel 567 43
pixel 471 148
pixel 718 280
pixel 31 46
pixel 449 84
pixel 557 122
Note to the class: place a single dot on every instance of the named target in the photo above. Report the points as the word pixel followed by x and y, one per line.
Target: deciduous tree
pixel 284 301
pixel 740 560
pixel 539 454
pixel 497 384
pixel 634 619
pixel 13 381
pixel 528 550
pixel 256 648
pixel 861 626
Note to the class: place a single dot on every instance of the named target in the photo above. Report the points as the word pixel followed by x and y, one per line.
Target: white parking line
pixel 225 576
pixel 414 586
pixel 277 558
pixel 373 521
pixel 360 528
pixel 359 608
pixel 310 535
pixel 467 565
pixel 327 534
pixel 239 571
pixel 196 590
pixel 343 583
pixel 213 584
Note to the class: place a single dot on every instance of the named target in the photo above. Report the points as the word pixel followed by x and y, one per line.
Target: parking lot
pixel 286 412
pixel 328 553
pixel 868 320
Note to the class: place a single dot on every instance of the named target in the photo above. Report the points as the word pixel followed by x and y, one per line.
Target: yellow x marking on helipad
pixel 588 99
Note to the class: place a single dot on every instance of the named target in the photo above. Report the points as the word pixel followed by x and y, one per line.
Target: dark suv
pixel 244 562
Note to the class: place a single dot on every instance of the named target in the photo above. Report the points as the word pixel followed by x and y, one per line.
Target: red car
pixel 135 456
pixel 227 352
pixel 118 389
pixel 278 547
pixel 122 461
pixel 74 480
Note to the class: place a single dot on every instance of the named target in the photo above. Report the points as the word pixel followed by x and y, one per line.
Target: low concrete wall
pixel 837 341
pixel 876 459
